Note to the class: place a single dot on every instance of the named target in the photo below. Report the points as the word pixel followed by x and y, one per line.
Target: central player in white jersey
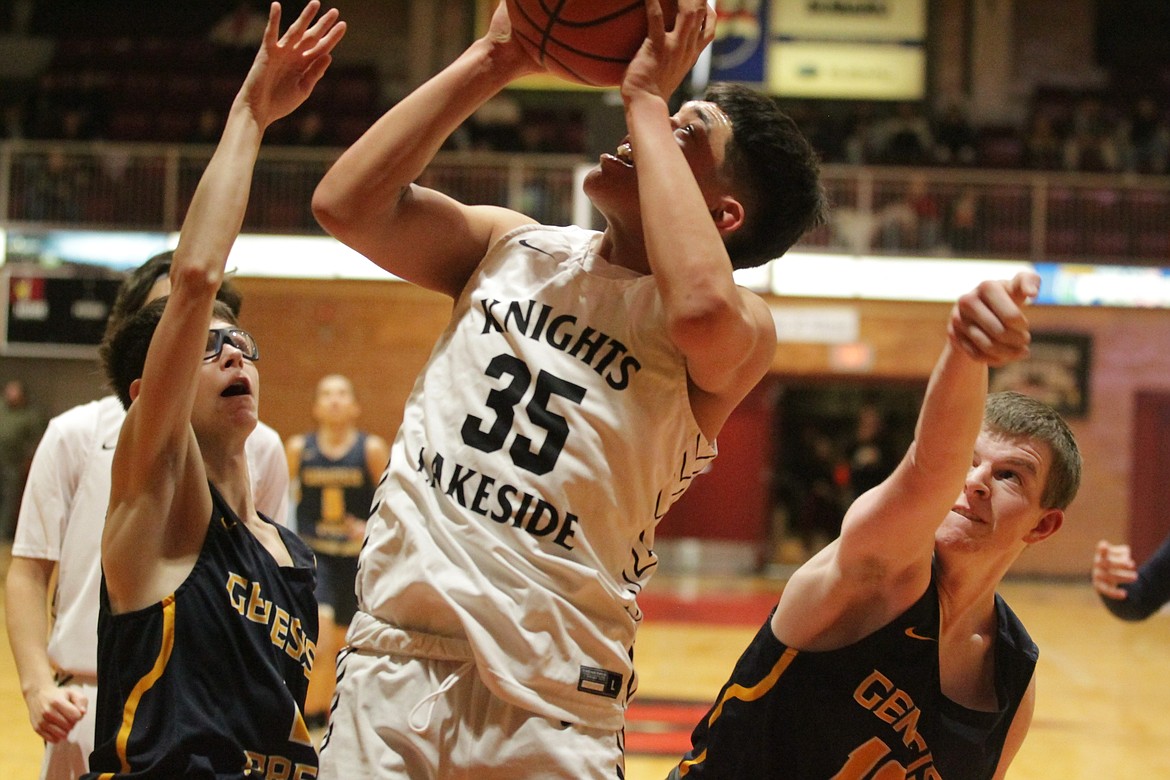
pixel 575 393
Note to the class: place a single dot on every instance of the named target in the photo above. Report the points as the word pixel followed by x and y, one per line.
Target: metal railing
pixel 929 212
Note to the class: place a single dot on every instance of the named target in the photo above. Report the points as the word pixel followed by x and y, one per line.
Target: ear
pixel 1049 523
pixel 728 214
pixel 135 387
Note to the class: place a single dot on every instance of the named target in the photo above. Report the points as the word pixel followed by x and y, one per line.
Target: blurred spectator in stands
pixel 241 28
pixel 954 137
pixel 78 123
pixel 871 454
pixel 13 120
pixel 21 426
pixel 1043 146
pixel 860 136
pixel 208 127
pixel 914 221
pixel 1145 137
pixel 18 20
pixel 962 227
pixel 67 106
pixel 495 126
pixel 1092 141
pixel 53 187
pixel 308 129
pixel 812 490
pixel 904 138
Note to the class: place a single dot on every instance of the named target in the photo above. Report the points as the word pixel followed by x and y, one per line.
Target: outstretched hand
pixel 287 67
pixel 667 56
pixel 988 323
pixel 1113 566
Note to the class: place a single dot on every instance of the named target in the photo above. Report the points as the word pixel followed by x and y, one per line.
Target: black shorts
pixel 336 585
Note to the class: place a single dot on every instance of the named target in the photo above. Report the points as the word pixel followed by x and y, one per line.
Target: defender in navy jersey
pixel 335 469
pixel 890 654
pixel 235 639
pixel 207 624
pixel 575 393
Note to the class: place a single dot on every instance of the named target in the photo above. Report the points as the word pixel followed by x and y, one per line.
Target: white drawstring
pixel 431 698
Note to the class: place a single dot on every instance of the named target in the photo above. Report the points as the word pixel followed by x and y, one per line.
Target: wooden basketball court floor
pixel 1103 685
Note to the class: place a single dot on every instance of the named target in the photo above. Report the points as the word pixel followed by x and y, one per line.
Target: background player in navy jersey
pixel 334 470
pixel 577 390
pixel 207 618
pixel 890 653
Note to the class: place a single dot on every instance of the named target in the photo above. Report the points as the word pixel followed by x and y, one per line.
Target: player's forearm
pixel 684 248
pixel 217 208
pixel 951 417
pixel 26 612
pixel 895 523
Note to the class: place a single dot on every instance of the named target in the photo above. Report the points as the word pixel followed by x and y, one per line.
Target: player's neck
pixel 336 438
pixel 967 584
pixel 230 477
pixel 622 249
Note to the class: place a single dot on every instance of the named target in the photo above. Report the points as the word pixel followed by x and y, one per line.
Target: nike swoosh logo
pixel 524 242
pixel 106 446
pixel 910 632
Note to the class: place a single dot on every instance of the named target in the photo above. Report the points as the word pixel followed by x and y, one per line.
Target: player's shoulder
pixel 265 445
pixel 548 239
pixel 265 434
pixel 87 419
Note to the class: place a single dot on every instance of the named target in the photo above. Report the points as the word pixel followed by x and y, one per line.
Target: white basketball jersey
pixel 546 437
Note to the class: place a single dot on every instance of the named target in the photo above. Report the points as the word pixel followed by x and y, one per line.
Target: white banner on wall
pixel 850 20
pixel 856 71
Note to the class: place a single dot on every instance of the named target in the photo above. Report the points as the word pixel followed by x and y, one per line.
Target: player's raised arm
pixel 159 505
pixel 882 558
pixel 368 199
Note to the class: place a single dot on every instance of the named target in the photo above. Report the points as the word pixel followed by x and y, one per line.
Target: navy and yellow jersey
pixel 331 492
pixel 872 709
pixel 211 681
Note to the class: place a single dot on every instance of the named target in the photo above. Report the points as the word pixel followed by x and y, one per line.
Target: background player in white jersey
pixel 578 388
pixel 890 654
pixel 60 527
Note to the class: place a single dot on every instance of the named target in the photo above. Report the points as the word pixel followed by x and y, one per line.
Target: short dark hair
pixel 136 286
pixel 123 351
pixel 772 167
pixel 1019 416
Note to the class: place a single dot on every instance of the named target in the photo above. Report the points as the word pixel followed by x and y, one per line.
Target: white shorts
pixel 69 758
pixel 398 715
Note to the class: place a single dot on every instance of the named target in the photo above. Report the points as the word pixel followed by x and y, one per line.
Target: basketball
pixel 586 41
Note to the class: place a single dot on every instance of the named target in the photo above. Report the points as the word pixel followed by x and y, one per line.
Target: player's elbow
pixel 712 322
pixel 196 278
pixel 329 207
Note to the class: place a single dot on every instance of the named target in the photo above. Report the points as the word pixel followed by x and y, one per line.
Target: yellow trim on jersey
pixel 300 731
pixel 743 694
pixel 147 681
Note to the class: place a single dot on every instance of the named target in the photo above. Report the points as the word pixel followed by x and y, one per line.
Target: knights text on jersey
pixel 211 681
pixel 872 709
pixel 548 434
